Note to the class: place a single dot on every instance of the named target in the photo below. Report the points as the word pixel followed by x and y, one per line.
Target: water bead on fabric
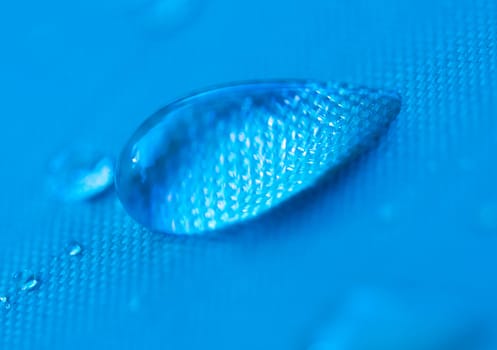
pixel 79 173
pixel 232 153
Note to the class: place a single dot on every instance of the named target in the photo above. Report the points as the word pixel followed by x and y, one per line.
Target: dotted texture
pixel 415 216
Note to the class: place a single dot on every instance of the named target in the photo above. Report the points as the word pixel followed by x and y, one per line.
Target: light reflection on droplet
pixel 74 248
pixel 26 280
pixel 30 284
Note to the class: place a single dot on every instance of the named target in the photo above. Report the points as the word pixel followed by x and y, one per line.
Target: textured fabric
pixel 416 216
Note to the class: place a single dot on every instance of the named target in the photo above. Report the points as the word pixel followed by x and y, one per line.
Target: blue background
pixel 413 221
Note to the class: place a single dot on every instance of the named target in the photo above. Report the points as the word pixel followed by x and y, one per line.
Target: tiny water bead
pixel 5 302
pixel 30 284
pixel 74 248
pixel 230 154
pixel 80 173
pixel 26 280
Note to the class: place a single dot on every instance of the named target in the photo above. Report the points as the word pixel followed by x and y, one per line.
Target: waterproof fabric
pixel 414 220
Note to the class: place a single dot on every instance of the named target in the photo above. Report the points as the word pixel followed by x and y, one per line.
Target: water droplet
pixel 80 173
pixel 229 154
pixel 74 248
pixel 30 284
pixel 26 280
pixel 5 302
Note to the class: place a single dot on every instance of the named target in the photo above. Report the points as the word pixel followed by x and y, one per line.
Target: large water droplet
pixel 80 173
pixel 230 154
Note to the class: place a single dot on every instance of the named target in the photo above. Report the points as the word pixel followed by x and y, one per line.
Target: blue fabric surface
pixel 415 218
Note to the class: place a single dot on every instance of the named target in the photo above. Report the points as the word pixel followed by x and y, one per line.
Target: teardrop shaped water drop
pixel 229 154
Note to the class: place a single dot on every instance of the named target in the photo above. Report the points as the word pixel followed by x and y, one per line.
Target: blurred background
pixel 397 251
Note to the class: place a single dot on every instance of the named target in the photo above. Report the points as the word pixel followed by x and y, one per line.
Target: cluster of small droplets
pixel 26 280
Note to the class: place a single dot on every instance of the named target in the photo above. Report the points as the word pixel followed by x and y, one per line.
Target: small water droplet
pixel 74 248
pixel 184 161
pixel 26 280
pixel 30 284
pixel 80 173
pixel 5 302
